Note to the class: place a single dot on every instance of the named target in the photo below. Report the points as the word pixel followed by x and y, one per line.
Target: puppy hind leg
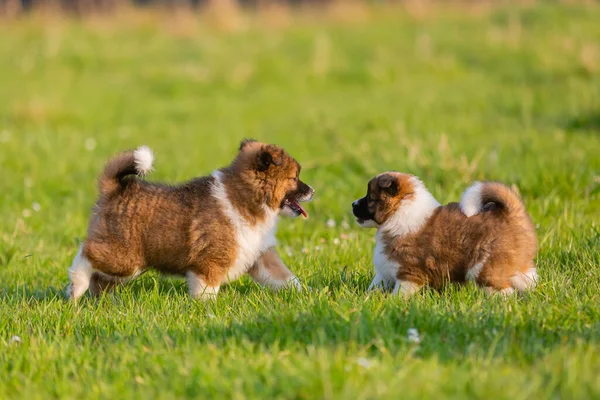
pixel 494 280
pixel 101 283
pixel 406 288
pixel 377 283
pixel 504 292
pixel 525 280
pixel 200 287
pixel 80 274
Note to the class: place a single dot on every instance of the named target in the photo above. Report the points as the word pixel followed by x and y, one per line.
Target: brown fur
pixel 448 244
pixel 268 270
pixel 389 190
pixel 180 229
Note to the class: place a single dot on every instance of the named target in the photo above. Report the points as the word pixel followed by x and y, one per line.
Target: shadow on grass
pixel 450 329
pixel 164 286
pixel 27 293
pixel 445 337
pixel 586 122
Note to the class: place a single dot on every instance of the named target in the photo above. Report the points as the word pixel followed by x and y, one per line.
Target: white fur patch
pixel 470 202
pixel 473 272
pixel 523 281
pixel 143 158
pixel 199 289
pixel 503 292
pixel 80 273
pixel 406 288
pixel 506 292
pixel 386 270
pixel 412 213
pixel 251 240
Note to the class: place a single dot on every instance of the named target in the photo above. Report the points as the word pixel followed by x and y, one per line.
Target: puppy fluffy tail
pixel 503 205
pixel 492 197
pixel 136 162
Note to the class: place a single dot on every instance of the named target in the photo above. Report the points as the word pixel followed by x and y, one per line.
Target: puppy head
pixel 274 174
pixel 385 194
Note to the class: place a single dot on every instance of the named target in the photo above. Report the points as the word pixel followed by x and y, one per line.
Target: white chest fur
pixel 251 240
pixel 385 269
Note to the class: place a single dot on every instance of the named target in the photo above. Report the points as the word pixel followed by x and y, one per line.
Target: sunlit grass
pixel 504 93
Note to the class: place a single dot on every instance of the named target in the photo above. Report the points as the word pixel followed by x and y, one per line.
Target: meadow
pixel 450 93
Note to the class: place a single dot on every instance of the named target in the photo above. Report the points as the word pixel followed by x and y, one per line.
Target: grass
pixel 511 93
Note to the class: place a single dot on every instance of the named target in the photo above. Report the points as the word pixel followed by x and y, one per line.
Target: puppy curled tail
pixel 492 197
pixel 135 162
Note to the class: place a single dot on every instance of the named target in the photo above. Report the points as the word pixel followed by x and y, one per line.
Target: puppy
pixel 487 238
pixel 211 229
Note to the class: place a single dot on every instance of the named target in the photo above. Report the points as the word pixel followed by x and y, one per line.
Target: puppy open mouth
pixel 295 206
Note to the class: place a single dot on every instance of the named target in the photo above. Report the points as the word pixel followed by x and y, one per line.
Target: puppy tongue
pixel 304 214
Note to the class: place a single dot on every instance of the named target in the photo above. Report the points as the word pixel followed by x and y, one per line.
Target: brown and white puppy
pixel 211 229
pixel 487 238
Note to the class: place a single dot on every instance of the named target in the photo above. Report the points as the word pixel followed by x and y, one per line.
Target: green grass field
pixel 511 94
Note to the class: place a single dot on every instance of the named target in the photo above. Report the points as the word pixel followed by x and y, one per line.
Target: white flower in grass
pixel 15 340
pixel 36 206
pixel 90 144
pixel 336 241
pixel 345 225
pixel 288 251
pixel 413 336
pixel 26 213
pixel 330 223
pixel 317 248
pixel 364 362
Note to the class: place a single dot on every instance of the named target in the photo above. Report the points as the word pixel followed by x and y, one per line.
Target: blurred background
pixel 13 7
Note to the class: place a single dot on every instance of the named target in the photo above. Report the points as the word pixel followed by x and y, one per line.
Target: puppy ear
pixel 389 184
pixel 245 143
pixel 268 155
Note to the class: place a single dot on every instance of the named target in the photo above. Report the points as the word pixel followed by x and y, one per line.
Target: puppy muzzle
pixel 364 217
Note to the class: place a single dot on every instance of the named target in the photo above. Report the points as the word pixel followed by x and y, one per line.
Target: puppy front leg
pixel 406 288
pixel 270 271
pixel 376 284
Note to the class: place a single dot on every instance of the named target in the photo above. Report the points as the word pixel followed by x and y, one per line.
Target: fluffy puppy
pixel 211 229
pixel 487 238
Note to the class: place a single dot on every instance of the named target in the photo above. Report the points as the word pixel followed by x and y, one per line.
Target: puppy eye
pixel 295 179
